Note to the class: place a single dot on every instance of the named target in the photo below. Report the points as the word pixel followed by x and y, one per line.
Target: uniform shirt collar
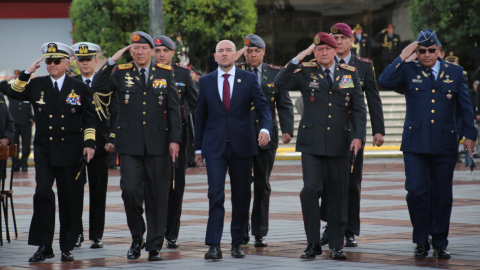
pixel 90 78
pixel 346 59
pixel 59 81
pixel 147 69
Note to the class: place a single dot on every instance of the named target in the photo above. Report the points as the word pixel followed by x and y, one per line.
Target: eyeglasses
pixel 56 61
pixel 424 51
pixel 85 60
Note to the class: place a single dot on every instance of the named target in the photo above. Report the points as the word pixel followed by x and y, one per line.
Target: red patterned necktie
pixel 226 92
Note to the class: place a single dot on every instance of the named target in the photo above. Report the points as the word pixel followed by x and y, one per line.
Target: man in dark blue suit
pixel 434 91
pixel 224 136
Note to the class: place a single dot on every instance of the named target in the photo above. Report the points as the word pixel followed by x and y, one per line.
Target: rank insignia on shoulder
pixel 125 66
pixel 275 67
pixel 365 60
pixel 309 64
pixel 347 67
pixel 239 64
pixel 297 70
pixel 162 66
pixel 182 66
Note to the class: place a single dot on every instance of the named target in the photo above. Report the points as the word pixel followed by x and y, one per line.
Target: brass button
pixel 50 127
pixel 118 127
pixel 303 126
pixel 63 128
pixel 93 102
pixel 433 111
pixel 144 103
pixel 329 116
pixel 433 121
pixel 453 131
pixel 144 113
pixel 433 100
pixel 449 91
pixel 409 127
pixel 20 109
pixel 433 91
pixel 144 93
pixel 331 92
pixel 144 122
pixel 51 138
pixel 256 121
pixel 329 104
pixel 328 128
pixel 50 116
pixel 179 91
pixel 62 116
pixel 416 89
pixel 63 139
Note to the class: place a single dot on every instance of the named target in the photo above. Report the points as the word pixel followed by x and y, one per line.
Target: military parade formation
pixel 152 111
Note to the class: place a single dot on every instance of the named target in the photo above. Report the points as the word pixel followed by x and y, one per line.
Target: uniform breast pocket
pixel 160 95
pixel 415 91
pixel 449 94
pixel 305 131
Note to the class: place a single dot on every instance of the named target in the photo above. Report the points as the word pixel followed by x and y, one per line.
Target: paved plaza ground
pixel 384 243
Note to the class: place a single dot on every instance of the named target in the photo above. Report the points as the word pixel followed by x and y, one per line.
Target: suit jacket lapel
pixel 48 92
pixel 214 86
pixel 237 86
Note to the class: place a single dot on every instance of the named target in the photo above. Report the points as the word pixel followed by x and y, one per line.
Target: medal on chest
pixel 312 98
pixel 347 99
pixel 160 100
pixel 127 97
pixel 128 80
pixel 73 99
pixel 346 82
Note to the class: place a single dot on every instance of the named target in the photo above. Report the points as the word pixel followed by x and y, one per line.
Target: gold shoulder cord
pixel 99 104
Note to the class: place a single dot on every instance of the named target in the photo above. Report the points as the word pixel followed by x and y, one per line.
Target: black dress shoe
pixel 324 238
pixel 312 250
pixel 172 243
pixel 135 249
pixel 260 241
pixel 42 253
pixel 441 253
pixel 154 255
pixel 246 237
pixel 337 254
pixel 67 256
pixel 97 243
pixel 421 250
pixel 213 253
pixel 350 240
pixel 237 252
pixel 79 241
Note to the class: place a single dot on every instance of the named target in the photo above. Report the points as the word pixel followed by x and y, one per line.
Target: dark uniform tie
pixel 55 90
pixel 432 77
pixel 88 82
pixel 342 61
pixel 329 79
pixel 142 76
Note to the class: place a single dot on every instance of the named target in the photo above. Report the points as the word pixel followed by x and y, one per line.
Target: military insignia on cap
pixel 451 53
pixel 334 29
pixel 83 48
pixel 135 37
pixel 158 41
pixel 52 47
pixel 246 41
pixel 316 40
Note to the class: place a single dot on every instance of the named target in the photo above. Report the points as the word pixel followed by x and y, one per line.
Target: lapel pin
pixel 239 80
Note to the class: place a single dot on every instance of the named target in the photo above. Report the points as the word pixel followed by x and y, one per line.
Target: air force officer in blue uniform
pixel 433 89
pixel 224 136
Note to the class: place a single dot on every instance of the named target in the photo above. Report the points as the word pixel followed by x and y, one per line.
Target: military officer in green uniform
pixel 342 33
pixel 390 43
pixel 361 43
pixel 148 132
pixel 64 132
pixel 164 52
pixel 333 124
pixel 262 163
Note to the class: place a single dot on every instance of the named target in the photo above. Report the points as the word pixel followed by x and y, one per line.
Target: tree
pixel 108 23
pixel 157 18
pixel 456 22
pixel 202 23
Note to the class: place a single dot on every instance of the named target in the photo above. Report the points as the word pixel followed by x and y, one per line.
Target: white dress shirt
pixel 59 82
pixel 91 79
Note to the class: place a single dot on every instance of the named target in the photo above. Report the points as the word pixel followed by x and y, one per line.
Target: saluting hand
pixel 34 66
pixel 306 52
pixel 286 137
pixel 356 144
pixel 469 145
pixel 174 148
pixel 408 51
pixel 378 139
pixel 120 52
pixel 263 139
pixel 240 53
pixel 90 153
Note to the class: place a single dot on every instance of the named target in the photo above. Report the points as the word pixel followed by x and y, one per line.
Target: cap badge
pixel 52 47
pixel 135 37
pixel 246 41
pixel 316 40
pixel 158 41
pixel 334 29
pixel 83 48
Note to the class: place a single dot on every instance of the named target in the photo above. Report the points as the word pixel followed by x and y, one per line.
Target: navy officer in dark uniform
pixel 391 44
pixel 342 33
pixel 148 132
pixel 361 46
pixel 106 107
pixel 434 91
pixel 333 124
pixel 164 52
pixel 262 163
pixel 65 130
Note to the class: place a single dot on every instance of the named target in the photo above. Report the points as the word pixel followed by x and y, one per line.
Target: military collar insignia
pixel 441 75
pixel 424 74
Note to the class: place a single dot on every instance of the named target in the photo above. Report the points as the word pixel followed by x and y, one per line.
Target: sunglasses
pixel 424 51
pixel 56 61
pixel 85 60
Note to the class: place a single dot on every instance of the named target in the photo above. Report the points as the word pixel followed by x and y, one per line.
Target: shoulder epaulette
pixel 365 60
pixel 313 60
pixel 347 67
pixel 182 66
pixel 275 67
pixel 297 70
pixel 410 61
pixel 309 64
pixel 167 67
pixel 125 66
pixel 240 64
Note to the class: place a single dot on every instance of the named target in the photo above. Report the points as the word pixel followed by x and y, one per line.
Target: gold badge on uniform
pixel 447 80
pixel 41 102
pixel 313 76
pixel 128 79
pixel 127 97
pixel 316 40
pixel 449 96
pixel 334 29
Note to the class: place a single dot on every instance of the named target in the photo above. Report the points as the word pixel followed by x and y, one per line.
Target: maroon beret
pixel 341 28
pixel 324 38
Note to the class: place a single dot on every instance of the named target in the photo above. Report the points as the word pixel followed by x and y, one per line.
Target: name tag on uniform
pixel 346 82
pixel 417 81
